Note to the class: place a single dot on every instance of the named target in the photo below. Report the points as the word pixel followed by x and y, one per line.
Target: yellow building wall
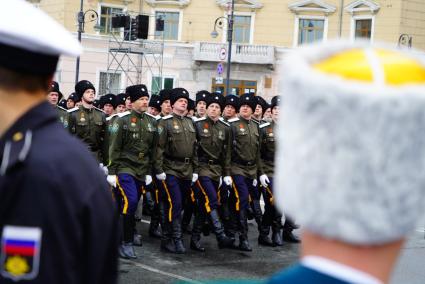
pixel 413 22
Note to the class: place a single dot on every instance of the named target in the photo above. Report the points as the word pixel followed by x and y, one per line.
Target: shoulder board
pixel 73 109
pixel 157 117
pixel 196 119
pixel 110 117
pixel 221 118
pixel 98 109
pixel 61 108
pixel 264 124
pixel 225 123
pixel 233 119
pixel 124 113
pixel 167 116
pixel 256 121
pixel 147 113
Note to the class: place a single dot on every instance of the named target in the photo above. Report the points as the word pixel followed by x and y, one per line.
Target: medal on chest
pixel 270 132
pixel 242 128
pixel 82 118
pixel 176 126
pixel 206 126
pixel 133 122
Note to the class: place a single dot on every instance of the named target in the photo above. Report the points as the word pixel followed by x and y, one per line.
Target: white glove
pixel 161 176
pixel 220 182
pixel 264 180
pixel 103 168
pixel 254 182
pixel 148 179
pixel 112 180
pixel 194 177
pixel 227 180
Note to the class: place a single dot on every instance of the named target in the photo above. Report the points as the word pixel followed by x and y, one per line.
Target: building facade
pixel 186 55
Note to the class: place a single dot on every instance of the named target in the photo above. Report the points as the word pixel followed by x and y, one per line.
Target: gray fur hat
pixel 351 147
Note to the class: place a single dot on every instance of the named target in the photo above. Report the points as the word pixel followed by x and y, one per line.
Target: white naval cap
pixel 31 41
pixel 350 145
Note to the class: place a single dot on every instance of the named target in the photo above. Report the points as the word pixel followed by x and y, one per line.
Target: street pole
pixel 80 18
pixel 341 7
pixel 229 39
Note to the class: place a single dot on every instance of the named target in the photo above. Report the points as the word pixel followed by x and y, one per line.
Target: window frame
pixel 251 28
pixel 362 17
pixel 308 17
pixel 99 11
pixel 121 81
pixel 152 23
pixel 162 81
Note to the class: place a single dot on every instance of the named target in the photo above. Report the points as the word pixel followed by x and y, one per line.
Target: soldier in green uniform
pixel 231 106
pixel 89 123
pixel 108 104
pixel 165 102
pixel 201 103
pixel 260 109
pixel 177 166
pixel 213 137
pixel 133 141
pixel 245 163
pixel 53 97
pixel 71 101
pixel 120 100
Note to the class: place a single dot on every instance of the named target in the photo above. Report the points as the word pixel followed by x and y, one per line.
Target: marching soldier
pixel 53 97
pixel 176 167
pixel 71 101
pixel 231 106
pixel 120 100
pixel 165 102
pixel 57 220
pixel 260 109
pixel 88 122
pixel 132 149
pixel 272 217
pixel 213 137
pixel 190 108
pixel 201 103
pixel 155 105
pixel 245 163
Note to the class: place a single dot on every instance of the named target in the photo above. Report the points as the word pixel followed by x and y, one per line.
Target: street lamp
pixel 81 18
pixel 219 22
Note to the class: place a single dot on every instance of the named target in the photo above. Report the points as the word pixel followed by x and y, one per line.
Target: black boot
pixel 258 214
pixel 148 204
pixel 277 229
pixel 243 227
pixel 187 217
pixel 195 240
pixel 177 236
pixel 137 238
pixel 167 243
pixel 154 230
pixel 232 229
pixel 289 223
pixel 277 238
pixel 126 249
pixel 289 237
pixel 263 238
pixel 222 240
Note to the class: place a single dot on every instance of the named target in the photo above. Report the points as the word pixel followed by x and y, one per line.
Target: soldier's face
pixel 201 108
pixel 166 107
pixel 88 96
pixel 120 108
pixel 213 111
pixel 268 113
pixel 140 105
pixel 53 98
pixel 153 111
pixel 229 111
pixel 70 104
pixel 180 105
pixel 275 113
pixel 258 111
pixel 128 104
pixel 245 111
pixel 108 109
pixel 190 113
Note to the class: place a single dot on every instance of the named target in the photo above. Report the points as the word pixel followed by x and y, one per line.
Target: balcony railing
pixel 241 53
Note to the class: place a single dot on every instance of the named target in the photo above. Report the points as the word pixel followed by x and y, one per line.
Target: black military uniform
pixel 57 219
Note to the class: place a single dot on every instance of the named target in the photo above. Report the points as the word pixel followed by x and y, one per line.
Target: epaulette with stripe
pixel 256 121
pixel 233 119
pixel 264 124
pixel 196 119
pixel 225 123
pixel 111 116
pixel 98 109
pixel 167 116
pixel 124 113
pixel 73 109
pixel 157 117
pixel 59 107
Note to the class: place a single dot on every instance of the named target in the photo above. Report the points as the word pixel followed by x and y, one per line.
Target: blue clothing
pixel 131 189
pixel 300 274
pixel 177 190
pixel 206 193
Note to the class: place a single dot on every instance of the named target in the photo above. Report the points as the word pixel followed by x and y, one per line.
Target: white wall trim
pixel 372 7
pixel 362 17
pixel 180 3
pixel 299 6
pixel 297 25
pixel 251 4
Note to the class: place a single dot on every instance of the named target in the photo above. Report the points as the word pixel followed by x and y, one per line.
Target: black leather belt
pixel 268 157
pixel 243 162
pixel 209 161
pixel 178 159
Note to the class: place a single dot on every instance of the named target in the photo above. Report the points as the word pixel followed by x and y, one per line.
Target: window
pixel 310 30
pixel 237 87
pixel 158 84
pixel 106 14
pixel 241 29
pixel 363 28
pixel 109 83
pixel 171 25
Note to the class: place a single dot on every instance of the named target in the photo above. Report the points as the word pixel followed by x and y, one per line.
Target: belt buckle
pixel 250 163
pixel 186 160
pixel 210 162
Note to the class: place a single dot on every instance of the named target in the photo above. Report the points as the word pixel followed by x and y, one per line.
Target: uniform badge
pixel 160 129
pixel 241 127
pixel 20 252
pixel 270 132
pixel 149 127
pixel 220 135
pixel 133 122
pixel 176 126
pixel 206 126
pixel 82 118
pixel 114 128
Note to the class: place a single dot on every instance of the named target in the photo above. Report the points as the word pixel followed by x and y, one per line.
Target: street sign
pixel 220 68
pixel 223 53
pixel 219 80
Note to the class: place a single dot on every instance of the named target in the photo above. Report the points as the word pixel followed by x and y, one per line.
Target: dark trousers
pixel 130 190
pixel 175 192
pixel 242 191
pixel 206 193
pixel 272 216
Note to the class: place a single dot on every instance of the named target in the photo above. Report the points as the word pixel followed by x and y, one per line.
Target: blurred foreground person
pixel 351 159
pixel 57 220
